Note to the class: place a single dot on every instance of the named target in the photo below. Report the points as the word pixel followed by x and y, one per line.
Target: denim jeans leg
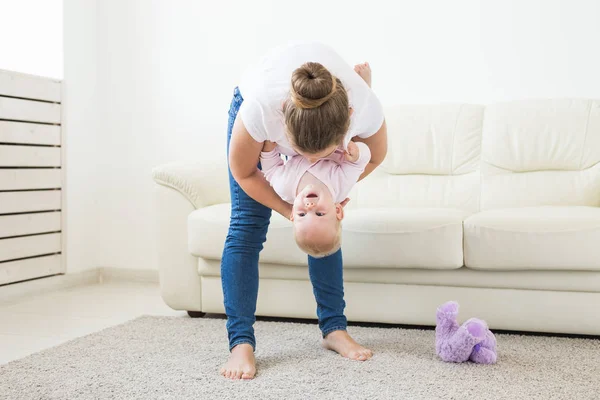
pixel 326 275
pixel 239 264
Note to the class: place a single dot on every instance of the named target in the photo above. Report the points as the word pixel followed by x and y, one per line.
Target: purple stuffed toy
pixel 459 343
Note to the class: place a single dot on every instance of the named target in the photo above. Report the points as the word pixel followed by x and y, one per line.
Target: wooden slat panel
pixel 29 86
pixel 18 202
pixel 29 110
pixel 18 179
pixel 29 156
pixel 15 271
pixel 29 246
pixel 27 133
pixel 27 224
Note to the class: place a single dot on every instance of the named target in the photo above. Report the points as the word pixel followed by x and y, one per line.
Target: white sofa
pixel 497 207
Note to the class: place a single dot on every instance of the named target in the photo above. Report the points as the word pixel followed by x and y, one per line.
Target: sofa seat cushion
pixel 207 230
pixel 538 238
pixel 375 238
pixel 403 238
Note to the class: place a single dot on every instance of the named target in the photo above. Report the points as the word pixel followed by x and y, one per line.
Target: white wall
pixel 81 103
pixel 166 70
pixel 31 38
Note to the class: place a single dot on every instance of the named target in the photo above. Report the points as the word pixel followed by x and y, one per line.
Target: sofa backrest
pixel 433 159
pixel 541 152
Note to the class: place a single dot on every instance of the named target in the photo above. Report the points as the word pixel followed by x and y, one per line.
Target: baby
pixel 316 191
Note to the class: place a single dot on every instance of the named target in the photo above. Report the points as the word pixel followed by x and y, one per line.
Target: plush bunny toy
pixel 459 343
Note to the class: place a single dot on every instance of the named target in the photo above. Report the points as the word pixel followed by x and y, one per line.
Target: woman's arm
pixel 378 145
pixel 244 153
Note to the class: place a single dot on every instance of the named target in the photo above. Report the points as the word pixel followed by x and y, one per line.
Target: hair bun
pixel 312 85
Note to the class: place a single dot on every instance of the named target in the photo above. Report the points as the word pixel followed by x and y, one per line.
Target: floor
pixel 38 322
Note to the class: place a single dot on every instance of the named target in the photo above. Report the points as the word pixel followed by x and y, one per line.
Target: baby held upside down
pixel 316 191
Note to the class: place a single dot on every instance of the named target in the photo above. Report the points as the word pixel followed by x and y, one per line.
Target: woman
pixel 338 106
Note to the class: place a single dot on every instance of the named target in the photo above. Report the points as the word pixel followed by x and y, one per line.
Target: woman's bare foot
pixel 345 346
pixel 364 70
pixel 241 363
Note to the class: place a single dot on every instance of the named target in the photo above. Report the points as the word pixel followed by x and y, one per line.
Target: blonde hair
pixel 317 114
pixel 317 248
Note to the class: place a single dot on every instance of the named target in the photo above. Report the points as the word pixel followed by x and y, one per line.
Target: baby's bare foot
pixel 364 70
pixel 345 346
pixel 241 363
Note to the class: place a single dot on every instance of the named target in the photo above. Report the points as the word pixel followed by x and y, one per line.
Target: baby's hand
pixel 352 154
pixel 268 146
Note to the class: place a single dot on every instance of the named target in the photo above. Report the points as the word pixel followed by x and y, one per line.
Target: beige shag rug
pixel 179 358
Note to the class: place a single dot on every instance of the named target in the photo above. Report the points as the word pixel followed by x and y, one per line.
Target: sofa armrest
pixel 202 183
pixel 181 188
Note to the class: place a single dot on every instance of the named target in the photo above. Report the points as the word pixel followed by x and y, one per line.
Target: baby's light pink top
pixel 338 174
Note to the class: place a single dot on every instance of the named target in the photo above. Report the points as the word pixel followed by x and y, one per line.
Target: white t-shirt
pixel 266 85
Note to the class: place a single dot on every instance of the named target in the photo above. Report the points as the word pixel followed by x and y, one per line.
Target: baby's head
pixel 317 221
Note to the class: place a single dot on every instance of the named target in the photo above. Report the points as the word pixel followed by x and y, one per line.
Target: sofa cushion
pixel 442 139
pixel 542 238
pixel 207 230
pixel 541 153
pixel 432 161
pixel 403 238
pixel 372 238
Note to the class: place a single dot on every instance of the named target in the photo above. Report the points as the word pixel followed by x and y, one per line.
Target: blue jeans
pixel 239 265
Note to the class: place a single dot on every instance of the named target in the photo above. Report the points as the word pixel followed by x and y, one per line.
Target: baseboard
pixel 110 274
pixel 16 291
